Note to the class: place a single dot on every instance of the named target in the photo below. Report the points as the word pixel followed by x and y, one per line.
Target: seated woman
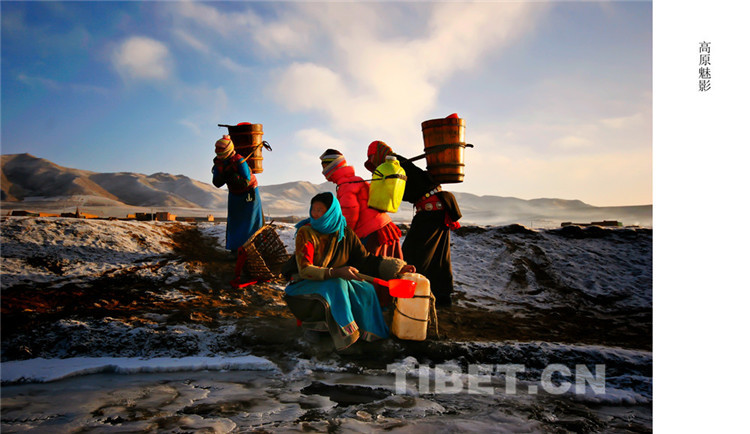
pixel 327 256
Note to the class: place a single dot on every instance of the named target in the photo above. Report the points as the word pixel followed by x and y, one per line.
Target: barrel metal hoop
pixel 444 146
pixel 439 165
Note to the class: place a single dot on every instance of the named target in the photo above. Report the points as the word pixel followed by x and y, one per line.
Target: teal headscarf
pixel 332 221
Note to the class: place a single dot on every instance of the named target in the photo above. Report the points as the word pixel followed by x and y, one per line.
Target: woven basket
pixel 265 254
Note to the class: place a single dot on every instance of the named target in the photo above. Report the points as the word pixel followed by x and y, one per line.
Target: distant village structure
pixel 602 223
pixel 158 216
pixel 165 216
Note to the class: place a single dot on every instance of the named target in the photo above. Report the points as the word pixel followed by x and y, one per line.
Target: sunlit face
pixel 317 210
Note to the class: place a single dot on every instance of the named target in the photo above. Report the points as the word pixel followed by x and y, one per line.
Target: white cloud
pixel 192 41
pixel 367 71
pixel 318 141
pixel 249 32
pixel 377 67
pixel 210 17
pixel 233 66
pixel 624 122
pixel 460 33
pixel 310 86
pixel 571 142
pixel 142 58
pixel 383 83
pixel 282 38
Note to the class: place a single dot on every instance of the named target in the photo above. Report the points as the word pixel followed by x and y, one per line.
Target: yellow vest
pixel 387 186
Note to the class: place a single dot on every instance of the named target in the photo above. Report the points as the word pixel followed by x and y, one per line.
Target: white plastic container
pixel 410 318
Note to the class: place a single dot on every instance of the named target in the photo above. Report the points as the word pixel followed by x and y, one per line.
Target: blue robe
pixel 244 209
pixel 244 218
pixel 354 305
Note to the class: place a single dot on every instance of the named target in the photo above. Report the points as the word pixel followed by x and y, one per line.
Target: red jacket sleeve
pixel 347 196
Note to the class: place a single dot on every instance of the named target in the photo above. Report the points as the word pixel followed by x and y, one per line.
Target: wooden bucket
pixel 248 141
pixel 444 145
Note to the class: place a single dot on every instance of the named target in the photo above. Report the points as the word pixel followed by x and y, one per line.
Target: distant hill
pixel 31 182
pixel 25 176
pixel 291 198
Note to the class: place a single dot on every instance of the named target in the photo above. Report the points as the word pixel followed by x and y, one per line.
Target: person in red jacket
pixel 376 230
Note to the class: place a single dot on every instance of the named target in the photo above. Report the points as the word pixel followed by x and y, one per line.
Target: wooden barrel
pixel 444 145
pixel 248 141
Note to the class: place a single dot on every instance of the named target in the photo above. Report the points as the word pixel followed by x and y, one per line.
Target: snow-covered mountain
pixel 34 183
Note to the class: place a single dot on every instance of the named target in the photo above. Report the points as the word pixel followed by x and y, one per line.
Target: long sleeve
pixel 313 253
pixel 367 263
pixel 347 196
pixel 218 178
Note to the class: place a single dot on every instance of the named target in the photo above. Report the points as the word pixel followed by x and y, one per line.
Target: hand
pixel 408 269
pixel 346 272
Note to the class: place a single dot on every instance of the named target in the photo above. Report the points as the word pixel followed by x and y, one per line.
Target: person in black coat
pixel 427 245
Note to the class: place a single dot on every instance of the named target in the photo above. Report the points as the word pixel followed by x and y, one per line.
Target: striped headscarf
pixel 224 147
pixel 331 160
pixel 376 153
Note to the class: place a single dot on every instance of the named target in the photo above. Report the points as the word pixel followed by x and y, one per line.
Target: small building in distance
pixel 162 216
pixel 602 223
pixel 79 215
pixel 165 217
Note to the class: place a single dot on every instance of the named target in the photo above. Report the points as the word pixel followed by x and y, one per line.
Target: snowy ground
pixel 141 316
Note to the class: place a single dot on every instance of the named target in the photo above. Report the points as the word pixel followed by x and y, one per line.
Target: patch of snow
pixel 46 370
pixel 504 271
pixel 44 249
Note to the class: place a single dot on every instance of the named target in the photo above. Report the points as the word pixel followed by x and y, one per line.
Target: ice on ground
pixel 46 370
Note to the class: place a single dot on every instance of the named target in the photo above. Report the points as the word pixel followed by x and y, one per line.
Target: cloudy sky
pixel 557 96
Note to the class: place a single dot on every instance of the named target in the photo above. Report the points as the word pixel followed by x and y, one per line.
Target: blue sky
pixel 557 96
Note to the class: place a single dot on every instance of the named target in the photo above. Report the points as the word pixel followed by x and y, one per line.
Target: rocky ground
pixel 257 314
pixel 141 291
